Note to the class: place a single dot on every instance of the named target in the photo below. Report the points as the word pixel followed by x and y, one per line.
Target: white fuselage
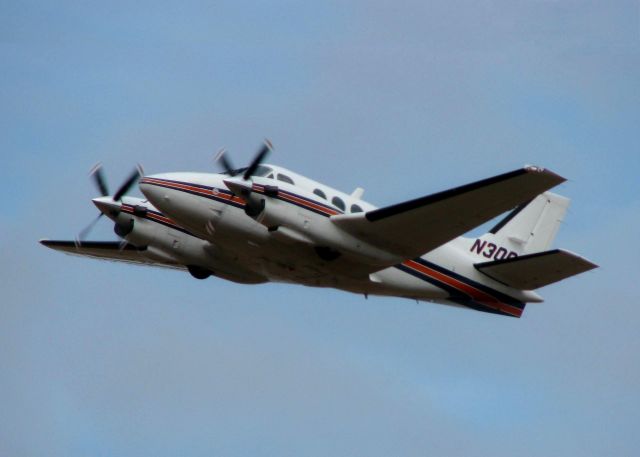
pixel 196 220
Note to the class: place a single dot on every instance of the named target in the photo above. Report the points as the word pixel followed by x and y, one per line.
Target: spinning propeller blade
pixel 133 178
pixel 253 166
pixel 257 160
pixel 98 177
pixel 85 231
pixel 226 163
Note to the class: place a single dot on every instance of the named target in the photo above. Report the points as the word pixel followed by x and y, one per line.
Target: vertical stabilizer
pixel 532 226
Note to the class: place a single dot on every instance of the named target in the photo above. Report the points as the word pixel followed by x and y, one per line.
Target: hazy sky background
pixel 403 100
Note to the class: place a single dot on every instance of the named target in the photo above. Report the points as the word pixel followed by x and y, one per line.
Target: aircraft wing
pixel 536 270
pixel 415 227
pixel 113 251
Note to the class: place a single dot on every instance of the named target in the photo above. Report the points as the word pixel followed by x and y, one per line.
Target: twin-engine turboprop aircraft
pixel 266 223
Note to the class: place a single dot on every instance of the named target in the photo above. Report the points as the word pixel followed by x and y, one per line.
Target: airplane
pixel 265 223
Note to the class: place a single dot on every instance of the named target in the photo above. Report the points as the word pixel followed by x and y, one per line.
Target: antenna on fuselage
pixel 358 193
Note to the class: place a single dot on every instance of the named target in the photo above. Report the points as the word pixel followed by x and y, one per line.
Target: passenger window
pixel 270 176
pixel 356 209
pixel 319 193
pixel 285 178
pixel 338 202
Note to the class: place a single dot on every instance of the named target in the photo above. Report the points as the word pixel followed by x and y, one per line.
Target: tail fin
pixel 532 226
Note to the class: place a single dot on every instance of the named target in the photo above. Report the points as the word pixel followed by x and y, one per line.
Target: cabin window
pixel 262 171
pixel 337 201
pixel 319 193
pixel 356 209
pixel 270 176
pixel 285 178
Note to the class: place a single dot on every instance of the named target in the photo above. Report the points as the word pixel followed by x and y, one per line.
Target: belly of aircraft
pixel 299 264
pixel 248 244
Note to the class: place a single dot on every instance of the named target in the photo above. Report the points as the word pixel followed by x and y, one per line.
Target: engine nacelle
pixel 289 224
pixel 131 225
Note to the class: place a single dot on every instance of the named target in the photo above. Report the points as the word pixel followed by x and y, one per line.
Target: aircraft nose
pixel 170 188
pixel 143 185
pixel 157 188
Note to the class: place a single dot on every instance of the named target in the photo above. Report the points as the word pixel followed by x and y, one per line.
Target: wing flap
pixel 533 271
pixel 414 227
pixel 111 250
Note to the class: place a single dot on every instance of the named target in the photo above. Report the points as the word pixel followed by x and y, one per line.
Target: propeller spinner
pixel 242 186
pixel 97 174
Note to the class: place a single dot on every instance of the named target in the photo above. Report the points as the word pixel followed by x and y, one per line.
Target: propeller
pixel 257 160
pixel 85 231
pixel 128 184
pixel 97 174
pixel 229 169
pixel 242 186
pixel 226 163
pixel 98 177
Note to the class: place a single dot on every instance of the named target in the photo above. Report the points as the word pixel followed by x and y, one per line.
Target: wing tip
pixel 59 245
pixel 554 177
pixel 587 264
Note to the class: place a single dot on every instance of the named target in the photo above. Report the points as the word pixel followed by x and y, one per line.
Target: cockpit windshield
pixel 260 171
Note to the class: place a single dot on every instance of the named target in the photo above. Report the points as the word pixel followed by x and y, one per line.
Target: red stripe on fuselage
pixel 283 194
pixel 198 190
pixel 302 202
pixel 475 294
pixel 151 215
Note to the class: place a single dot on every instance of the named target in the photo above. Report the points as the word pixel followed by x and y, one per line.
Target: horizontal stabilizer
pixel 412 228
pixel 533 271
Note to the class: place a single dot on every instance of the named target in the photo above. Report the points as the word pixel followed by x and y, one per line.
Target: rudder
pixel 532 226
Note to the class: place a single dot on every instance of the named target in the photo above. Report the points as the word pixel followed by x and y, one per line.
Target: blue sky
pixel 403 100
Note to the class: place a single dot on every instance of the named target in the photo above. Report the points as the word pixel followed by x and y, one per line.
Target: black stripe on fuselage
pixel 129 210
pixel 208 189
pixel 283 193
pixel 455 295
pixel 212 196
pixel 486 289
